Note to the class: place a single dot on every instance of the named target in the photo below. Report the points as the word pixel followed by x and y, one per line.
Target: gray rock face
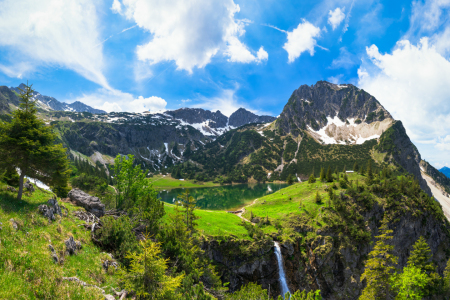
pixel 50 210
pixel 260 265
pixel 242 117
pixel 198 115
pixel 402 152
pixel 311 105
pixel 72 246
pixel 90 203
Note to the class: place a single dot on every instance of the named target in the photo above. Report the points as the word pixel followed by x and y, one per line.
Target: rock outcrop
pixel 72 246
pixel 50 209
pixel 90 203
pixel 257 264
pixel 28 186
pixel 399 150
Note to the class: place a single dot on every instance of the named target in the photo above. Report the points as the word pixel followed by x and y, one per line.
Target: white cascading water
pixel 282 276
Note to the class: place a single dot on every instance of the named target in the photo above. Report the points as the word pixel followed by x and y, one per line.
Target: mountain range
pixel 322 125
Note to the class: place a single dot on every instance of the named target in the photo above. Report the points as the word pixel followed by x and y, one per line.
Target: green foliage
pixel 251 291
pixel 290 179
pixel 129 181
pixel 380 266
pixel 311 179
pixel 312 295
pixel 289 150
pixel 147 273
pixel 329 175
pixel 318 199
pixel 421 258
pixel 26 143
pixel 322 174
pixel 116 236
pixel 410 284
pixel 188 203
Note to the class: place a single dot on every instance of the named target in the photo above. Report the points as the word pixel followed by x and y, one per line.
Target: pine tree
pixel 322 174
pixel 290 179
pixel 312 179
pixel 336 171
pixel 318 199
pixel 189 203
pixel 28 145
pixel 329 175
pixel 380 266
pixel 147 275
pixel 421 258
pixel 355 167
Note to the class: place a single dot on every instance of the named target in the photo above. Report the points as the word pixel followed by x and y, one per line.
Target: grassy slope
pixel 159 183
pixel 27 270
pixel 286 202
pixel 214 223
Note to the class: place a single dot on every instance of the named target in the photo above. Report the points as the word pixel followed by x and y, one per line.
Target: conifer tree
pixel 189 203
pixel 290 179
pixel 318 199
pixel 28 145
pixel 311 179
pixel 380 266
pixel 322 174
pixel 421 258
pixel 355 167
pixel 329 175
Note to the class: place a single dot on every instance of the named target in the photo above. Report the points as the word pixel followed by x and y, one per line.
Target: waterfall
pixel 282 276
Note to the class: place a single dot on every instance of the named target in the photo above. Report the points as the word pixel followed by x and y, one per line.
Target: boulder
pixel 50 209
pixel 53 254
pixel 72 246
pixel 14 224
pixel 90 203
pixel 11 189
pixel 28 186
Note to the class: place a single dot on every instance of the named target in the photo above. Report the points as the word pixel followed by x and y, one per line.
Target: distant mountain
pixel 50 103
pixel 445 171
pixel 242 117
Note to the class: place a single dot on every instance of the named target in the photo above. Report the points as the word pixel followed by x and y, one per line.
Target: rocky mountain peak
pixel 243 116
pixel 198 116
pixel 335 113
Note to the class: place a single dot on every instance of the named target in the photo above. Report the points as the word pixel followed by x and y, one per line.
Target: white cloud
pixel 226 102
pixel 116 7
pixel 443 143
pixel 336 17
pixel 190 32
pixel 301 39
pixel 114 100
pixel 413 83
pixel 52 32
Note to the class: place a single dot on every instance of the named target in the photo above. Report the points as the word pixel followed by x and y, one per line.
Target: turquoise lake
pixel 227 197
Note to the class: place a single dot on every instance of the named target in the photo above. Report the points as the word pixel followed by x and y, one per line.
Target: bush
pixel 117 237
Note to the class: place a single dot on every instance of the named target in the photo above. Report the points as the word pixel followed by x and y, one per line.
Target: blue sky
pixel 132 55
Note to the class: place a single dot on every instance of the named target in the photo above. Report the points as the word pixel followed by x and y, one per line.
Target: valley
pixel 229 204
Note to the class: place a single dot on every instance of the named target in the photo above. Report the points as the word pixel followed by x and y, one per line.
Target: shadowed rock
pixel 90 203
pixel 50 210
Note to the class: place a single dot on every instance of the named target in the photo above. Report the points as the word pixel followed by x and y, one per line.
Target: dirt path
pixel 243 211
